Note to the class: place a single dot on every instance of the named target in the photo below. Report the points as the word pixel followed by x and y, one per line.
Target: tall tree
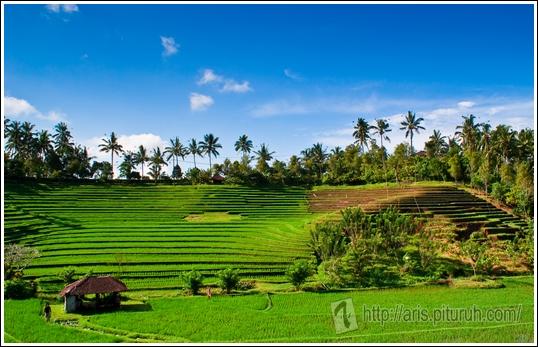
pixel 209 146
pixel 13 134
pixel 412 124
pixel 243 145
pixel 382 128
pixel 157 161
pixel 436 144
pixel 111 145
pixel 362 133
pixel 319 156
pixel 468 133
pixel 263 155
pixel 195 150
pixel 175 150
pixel 141 157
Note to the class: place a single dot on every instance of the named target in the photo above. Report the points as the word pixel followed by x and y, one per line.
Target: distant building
pixel 217 179
pixel 74 292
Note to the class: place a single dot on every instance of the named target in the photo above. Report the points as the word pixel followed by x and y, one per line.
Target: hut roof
pixel 94 285
pixel 217 178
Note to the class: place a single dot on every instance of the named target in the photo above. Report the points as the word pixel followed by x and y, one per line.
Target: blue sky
pixel 286 75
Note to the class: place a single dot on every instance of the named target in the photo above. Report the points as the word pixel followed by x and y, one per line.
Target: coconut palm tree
pixel 437 143
pixel 243 145
pixel 412 125
pixel 503 140
pixel 195 150
pixel 263 155
pixel 62 140
pixel 157 160
pixel 111 145
pixel 362 133
pixel 43 143
pixel 13 134
pixel 141 157
pixel 318 155
pixel 468 133
pixel 209 146
pixel 175 151
pixel 28 139
pixel 381 128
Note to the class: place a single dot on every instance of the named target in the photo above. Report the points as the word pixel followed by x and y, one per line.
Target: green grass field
pixel 148 234
pixel 293 317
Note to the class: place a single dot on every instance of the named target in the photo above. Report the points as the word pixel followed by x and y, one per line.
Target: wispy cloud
pixel 57 8
pixel 200 102
pixel 443 116
pixel 170 46
pixel 292 75
pixel 235 87
pixel 20 108
pixel 129 143
pixel 209 76
pixel 226 85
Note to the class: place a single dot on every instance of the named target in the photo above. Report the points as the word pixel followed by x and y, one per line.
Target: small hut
pixel 74 292
pixel 217 179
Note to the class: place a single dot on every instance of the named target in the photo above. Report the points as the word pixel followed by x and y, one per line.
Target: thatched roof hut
pixel 73 292
pixel 94 285
pixel 217 178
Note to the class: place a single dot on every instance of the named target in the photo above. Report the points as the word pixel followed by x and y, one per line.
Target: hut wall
pixel 71 303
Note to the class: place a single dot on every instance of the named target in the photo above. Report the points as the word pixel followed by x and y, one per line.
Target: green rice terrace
pixel 149 234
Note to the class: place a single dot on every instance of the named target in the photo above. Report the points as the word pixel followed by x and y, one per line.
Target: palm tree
pixel 209 146
pixel 468 133
pixel 525 145
pixel 13 134
pixel 437 143
pixel 195 150
pixel 111 145
pixel 175 150
pixel 381 128
pixel 504 141
pixel 43 143
pixel 28 140
pixel 361 133
pixel 318 155
pixel 244 145
pixel 337 151
pixel 141 157
pixel 62 140
pixel 157 161
pixel 412 125
pixel 263 156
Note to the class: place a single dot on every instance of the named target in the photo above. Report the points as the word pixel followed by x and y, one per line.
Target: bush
pixel 299 272
pixel 19 289
pixel 67 275
pixel 192 280
pixel 498 191
pixel 228 279
pixel 246 285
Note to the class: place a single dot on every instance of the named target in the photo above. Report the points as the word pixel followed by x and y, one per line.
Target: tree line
pixel 499 160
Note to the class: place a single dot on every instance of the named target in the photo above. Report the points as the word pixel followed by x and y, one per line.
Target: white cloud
pixel 57 8
pixel 20 108
pixel 466 104
pixel 209 76
pixel 69 8
pixel 226 85
pixel 235 87
pixel 128 142
pixel 170 46
pixel 14 107
pixel 200 102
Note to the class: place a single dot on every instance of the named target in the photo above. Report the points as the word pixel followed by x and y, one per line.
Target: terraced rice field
pixel 149 234
pixel 467 211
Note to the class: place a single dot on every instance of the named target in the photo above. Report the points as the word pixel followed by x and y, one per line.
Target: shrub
pixel 19 289
pixel 228 279
pixel 67 275
pixel 246 285
pixel 192 280
pixel 299 272
pixel 498 191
